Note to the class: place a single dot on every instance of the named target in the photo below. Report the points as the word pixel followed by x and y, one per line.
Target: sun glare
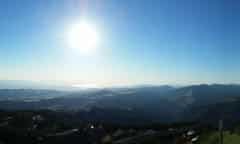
pixel 84 37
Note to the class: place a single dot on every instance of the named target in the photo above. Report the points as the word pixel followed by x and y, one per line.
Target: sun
pixel 83 36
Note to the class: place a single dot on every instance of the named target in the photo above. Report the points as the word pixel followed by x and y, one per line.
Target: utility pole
pixel 220 128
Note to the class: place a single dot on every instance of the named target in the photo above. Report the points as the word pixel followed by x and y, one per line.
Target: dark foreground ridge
pixel 48 127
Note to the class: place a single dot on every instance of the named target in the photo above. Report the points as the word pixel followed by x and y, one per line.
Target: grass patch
pixel 213 138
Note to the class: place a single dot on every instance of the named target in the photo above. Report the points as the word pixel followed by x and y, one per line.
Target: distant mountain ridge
pixel 24 84
pixel 148 103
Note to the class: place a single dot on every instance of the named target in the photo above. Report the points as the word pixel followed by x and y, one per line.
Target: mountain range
pixel 140 104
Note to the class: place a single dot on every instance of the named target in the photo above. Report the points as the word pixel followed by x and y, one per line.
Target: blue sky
pixel 142 41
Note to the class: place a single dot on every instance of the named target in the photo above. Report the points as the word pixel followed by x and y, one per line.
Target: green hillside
pixel 213 137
